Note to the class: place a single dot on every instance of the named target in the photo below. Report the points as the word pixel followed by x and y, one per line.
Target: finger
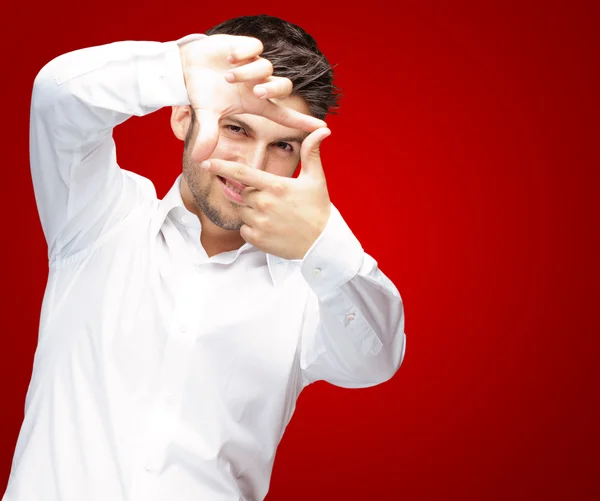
pixel 249 216
pixel 249 196
pixel 260 69
pixel 248 234
pixel 290 118
pixel 310 153
pixel 243 48
pixel 241 173
pixel 208 135
pixel 274 87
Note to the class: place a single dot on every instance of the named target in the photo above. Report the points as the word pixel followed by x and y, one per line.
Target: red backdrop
pixel 464 159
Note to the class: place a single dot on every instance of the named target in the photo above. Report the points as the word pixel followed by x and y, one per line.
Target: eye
pixel 236 129
pixel 284 146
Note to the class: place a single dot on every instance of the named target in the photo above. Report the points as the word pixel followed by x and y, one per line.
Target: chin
pixel 222 213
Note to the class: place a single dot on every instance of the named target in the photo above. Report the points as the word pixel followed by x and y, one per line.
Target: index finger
pixel 290 118
pixel 242 48
pixel 240 173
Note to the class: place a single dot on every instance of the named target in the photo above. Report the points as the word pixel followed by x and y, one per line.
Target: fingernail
pixel 230 77
pixel 205 165
pixel 260 91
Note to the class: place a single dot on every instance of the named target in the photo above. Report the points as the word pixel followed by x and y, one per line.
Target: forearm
pixel 96 88
pixel 359 338
pixel 78 98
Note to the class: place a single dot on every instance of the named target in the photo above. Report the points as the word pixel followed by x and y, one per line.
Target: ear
pixel 181 120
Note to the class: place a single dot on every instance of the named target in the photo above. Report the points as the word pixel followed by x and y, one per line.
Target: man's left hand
pixel 282 216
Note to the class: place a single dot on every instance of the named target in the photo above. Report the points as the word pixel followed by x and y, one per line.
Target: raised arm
pixel 354 331
pixel 354 326
pixel 79 97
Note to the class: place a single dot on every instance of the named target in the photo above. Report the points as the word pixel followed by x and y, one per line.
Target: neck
pixel 215 239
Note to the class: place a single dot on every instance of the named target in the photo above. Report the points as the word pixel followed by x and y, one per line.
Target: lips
pixel 234 184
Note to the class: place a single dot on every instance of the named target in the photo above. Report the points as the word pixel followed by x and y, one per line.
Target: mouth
pixel 232 185
pixel 232 190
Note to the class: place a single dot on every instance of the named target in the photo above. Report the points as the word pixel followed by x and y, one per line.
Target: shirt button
pixel 317 272
pixel 349 318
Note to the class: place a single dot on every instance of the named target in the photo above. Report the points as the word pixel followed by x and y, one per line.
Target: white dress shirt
pixel 161 373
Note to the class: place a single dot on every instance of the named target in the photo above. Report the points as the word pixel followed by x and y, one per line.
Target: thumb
pixel 208 135
pixel 310 152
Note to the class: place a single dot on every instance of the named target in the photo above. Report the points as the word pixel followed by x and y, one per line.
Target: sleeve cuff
pixel 334 258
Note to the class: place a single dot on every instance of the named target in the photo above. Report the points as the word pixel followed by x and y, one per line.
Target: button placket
pixel 179 349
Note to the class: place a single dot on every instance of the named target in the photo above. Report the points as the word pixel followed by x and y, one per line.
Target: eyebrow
pixel 250 130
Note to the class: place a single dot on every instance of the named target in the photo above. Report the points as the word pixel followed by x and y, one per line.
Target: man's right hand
pixel 224 75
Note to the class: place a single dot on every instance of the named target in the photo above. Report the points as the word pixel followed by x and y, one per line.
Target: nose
pixel 254 156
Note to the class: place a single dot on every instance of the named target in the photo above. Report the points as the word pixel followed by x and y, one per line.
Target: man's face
pixel 248 139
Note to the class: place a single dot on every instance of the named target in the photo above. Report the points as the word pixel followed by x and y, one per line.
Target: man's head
pixel 252 139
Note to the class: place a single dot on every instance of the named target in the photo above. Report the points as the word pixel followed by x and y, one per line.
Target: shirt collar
pixel 172 201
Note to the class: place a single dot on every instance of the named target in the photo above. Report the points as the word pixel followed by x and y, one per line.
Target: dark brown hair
pixel 293 54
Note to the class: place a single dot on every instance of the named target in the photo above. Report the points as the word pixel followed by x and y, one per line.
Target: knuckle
pixel 263 204
pixel 239 172
pixel 278 188
pixel 265 225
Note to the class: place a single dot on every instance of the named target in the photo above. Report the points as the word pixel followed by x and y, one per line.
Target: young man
pixel 177 334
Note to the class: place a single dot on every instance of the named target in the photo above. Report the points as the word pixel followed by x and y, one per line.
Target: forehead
pixel 264 126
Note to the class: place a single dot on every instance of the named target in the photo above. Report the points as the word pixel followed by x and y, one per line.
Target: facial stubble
pixel 200 183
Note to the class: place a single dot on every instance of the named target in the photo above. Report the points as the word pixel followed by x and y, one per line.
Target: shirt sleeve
pixel 354 335
pixel 78 98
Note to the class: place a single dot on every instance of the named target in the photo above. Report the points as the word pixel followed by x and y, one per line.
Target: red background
pixel 464 158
